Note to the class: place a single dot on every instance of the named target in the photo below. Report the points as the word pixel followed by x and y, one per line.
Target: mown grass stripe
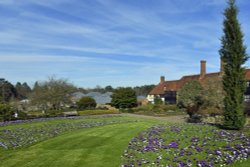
pixel 98 146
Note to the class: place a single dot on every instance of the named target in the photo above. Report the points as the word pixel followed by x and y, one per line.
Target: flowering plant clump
pixel 20 137
pixel 186 145
pixel 56 118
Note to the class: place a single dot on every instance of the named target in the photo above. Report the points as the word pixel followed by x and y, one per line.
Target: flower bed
pixel 20 137
pixel 186 145
pixel 56 118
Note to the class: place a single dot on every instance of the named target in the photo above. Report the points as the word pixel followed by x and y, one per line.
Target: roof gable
pixel 177 84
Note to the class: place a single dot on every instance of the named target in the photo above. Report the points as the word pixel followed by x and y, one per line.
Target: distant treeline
pixel 21 91
pixel 10 92
pixel 140 90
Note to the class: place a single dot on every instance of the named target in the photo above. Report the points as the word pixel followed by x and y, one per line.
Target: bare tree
pixel 52 94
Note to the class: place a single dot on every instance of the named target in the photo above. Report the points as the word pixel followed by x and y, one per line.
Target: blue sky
pixel 111 42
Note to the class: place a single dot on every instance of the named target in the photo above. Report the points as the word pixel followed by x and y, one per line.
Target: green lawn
pixel 98 146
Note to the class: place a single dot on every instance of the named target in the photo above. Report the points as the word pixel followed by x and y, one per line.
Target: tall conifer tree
pixel 233 53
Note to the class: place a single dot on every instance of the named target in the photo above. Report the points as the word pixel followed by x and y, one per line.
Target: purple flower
pixel 199 149
pixel 173 145
pixel 203 163
pixel 138 162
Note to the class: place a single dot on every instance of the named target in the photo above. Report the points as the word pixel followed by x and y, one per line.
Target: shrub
pixel 157 100
pixel 190 97
pixel 22 115
pixel 124 98
pixel 102 108
pixel 6 113
pixel 54 113
pixel 86 103
pixel 159 109
pixel 213 93
pixel 196 118
pixel 127 110
pixel 35 114
pixel 211 111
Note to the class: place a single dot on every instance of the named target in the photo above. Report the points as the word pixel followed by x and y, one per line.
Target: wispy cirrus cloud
pixel 111 39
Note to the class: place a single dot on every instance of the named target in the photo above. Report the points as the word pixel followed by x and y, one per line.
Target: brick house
pixel 167 90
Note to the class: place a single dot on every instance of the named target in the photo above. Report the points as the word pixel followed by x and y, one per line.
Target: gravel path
pixel 173 119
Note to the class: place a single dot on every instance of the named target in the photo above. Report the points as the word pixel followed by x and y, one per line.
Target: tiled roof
pixel 248 74
pixel 161 87
pixel 177 84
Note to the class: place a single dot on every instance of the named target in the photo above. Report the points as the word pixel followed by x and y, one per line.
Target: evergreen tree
pixel 86 103
pixel 124 98
pixel 109 88
pixel 23 90
pixel 7 91
pixel 233 53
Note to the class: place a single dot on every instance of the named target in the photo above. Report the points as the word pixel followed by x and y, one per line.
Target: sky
pixel 112 42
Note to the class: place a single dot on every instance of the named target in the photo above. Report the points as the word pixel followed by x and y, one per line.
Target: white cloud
pixel 164 39
pixel 19 58
pixel 7 2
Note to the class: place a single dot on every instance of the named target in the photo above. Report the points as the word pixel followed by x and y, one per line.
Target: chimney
pixel 162 79
pixel 203 68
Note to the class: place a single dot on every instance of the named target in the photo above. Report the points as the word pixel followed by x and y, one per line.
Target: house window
pixel 170 97
pixel 247 98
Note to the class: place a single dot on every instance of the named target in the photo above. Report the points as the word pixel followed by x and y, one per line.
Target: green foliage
pixel 213 96
pixel 97 112
pixel 22 115
pixel 35 114
pixel 7 91
pixel 109 88
pixel 54 113
pixel 211 111
pixel 157 110
pixel 124 98
pixel 23 90
pixel 157 100
pixel 86 103
pixel 202 100
pixel 233 53
pixel 190 97
pixel 143 90
pixel 161 108
pixel 6 112
pixel 97 89
pixel 213 93
pixel 127 110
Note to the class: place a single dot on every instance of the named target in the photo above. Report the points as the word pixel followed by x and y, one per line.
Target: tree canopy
pixel 86 103
pixel 7 91
pixel 190 97
pixel 213 93
pixel 23 90
pixel 52 94
pixel 124 98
